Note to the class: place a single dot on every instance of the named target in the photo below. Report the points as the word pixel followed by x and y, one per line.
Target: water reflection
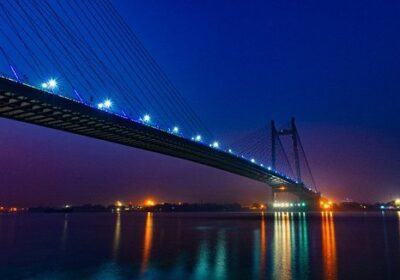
pixel 202 265
pixel 203 246
pixel 260 249
pixel 220 258
pixel 117 235
pixel 329 246
pixel 303 247
pixel 282 266
pixel 398 222
pixel 147 242
pixel 263 246
pixel 64 232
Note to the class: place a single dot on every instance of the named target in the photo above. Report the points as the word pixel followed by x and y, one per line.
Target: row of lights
pixel 107 104
pixel 287 204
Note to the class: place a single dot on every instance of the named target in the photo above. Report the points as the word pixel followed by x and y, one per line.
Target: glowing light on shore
pixel 149 202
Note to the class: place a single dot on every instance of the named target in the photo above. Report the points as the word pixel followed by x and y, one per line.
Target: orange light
pixel 118 203
pixel 150 202
pixel 282 188
pixel 325 204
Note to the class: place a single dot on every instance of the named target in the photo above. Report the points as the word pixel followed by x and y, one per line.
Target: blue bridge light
pixel 146 118
pixel 107 103
pixel 197 138
pixel 215 144
pixel 175 129
pixel 50 84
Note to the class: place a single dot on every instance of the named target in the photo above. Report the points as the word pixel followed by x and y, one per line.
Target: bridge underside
pixel 27 104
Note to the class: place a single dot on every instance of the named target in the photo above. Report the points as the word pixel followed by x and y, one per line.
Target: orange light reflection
pixel 329 246
pixel 263 247
pixel 117 234
pixel 147 242
pixel 282 260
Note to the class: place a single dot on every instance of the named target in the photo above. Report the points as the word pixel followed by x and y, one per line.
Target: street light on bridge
pixel 147 118
pixel 105 105
pixel 50 84
pixel 197 138
pixel 215 144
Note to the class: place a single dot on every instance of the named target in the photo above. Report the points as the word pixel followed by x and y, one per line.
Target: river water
pixel 324 245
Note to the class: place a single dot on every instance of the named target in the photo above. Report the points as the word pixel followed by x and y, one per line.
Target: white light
pixel 107 103
pixel 269 168
pixel 253 160
pixel 215 144
pixel 175 129
pixel 52 84
pixel 146 118
pixel 198 138
pixel 100 105
pixel 230 151
pixel 44 85
pixel 262 165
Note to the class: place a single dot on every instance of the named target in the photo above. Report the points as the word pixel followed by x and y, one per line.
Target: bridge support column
pixel 294 198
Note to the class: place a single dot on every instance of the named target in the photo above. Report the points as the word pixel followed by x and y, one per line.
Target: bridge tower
pixel 291 131
pixel 294 195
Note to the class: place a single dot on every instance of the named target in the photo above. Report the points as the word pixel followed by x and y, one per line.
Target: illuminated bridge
pixel 88 63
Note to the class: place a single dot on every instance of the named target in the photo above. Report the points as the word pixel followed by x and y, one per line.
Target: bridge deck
pixel 31 105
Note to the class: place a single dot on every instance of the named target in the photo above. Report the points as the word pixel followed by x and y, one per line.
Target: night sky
pixel 334 65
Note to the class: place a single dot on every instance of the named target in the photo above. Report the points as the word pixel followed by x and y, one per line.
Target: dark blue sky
pixel 334 65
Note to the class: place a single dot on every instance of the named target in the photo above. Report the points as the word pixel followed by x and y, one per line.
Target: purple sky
pixel 335 66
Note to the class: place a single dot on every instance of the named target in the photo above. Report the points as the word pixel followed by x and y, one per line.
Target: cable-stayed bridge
pixel 76 66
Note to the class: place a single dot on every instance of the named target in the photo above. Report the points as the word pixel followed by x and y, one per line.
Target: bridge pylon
pixel 296 196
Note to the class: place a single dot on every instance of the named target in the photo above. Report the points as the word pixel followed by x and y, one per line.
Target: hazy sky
pixel 334 65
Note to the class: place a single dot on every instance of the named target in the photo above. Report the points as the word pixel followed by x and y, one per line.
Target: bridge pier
pixel 294 198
